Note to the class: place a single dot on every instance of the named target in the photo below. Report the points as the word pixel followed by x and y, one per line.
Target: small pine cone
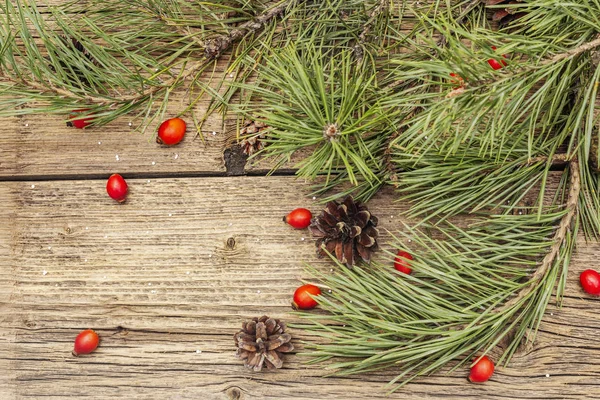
pixel 262 341
pixel 253 133
pixel 504 15
pixel 346 230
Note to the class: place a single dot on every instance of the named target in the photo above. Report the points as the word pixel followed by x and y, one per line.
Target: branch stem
pixel 215 47
pixel 379 9
pixel 558 239
pixel 574 52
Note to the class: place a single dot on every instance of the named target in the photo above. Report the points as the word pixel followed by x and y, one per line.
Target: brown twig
pixel 556 159
pixel 215 47
pixel 380 9
pixel 574 52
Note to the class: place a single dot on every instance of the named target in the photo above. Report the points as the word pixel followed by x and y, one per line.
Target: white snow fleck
pixel 547 375
pixel 231 224
pixel 117 157
pixel 198 351
pixel 258 291
pixel 148 181
pixel 187 273
pixel 214 133
pixel 105 236
pixel 153 291
pixel 44 272
pixel 170 215
pixel 176 156
pixel 99 142
pixel 149 284
pixel 301 238
pixel 314 197
pixel 85 260
pixel 33 186
pixel 130 124
pixel 49 247
pixel 26 125
pixel 329 291
pixel 86 228
pixel 231 75
pixel 153 162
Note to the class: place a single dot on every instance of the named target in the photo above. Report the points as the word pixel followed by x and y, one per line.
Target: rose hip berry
pixel 171 132
pixel 116 187
pixel 86 342
pixel 401 262
pixel 590 282
pixel 303 299
pixel 80 123
pixel 495 64
pixel 482 370
pixel 298 218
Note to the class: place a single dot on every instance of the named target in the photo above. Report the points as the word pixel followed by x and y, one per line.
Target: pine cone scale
pixel 342 227
pixel 253 133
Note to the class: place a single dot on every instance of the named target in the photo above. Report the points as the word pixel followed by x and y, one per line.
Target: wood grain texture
pixel 156 278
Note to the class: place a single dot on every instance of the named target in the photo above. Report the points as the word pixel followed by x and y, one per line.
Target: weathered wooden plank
pixel 156 278
pixel 7 270
pixel 42 145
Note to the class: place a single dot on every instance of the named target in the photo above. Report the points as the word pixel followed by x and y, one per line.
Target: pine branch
pixel 216 46
pixel 557 241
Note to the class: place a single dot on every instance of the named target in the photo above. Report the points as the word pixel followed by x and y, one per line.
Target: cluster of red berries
pixel 170 133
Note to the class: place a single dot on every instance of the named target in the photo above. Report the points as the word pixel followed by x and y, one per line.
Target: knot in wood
pixel 230 243
pixel 234 393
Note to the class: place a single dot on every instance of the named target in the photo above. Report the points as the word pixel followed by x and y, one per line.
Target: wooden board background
pixel 157 279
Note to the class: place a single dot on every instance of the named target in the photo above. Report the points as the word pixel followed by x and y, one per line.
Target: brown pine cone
pixel 504 15
pixel 346 230
pixel 262 341
pixel 253 133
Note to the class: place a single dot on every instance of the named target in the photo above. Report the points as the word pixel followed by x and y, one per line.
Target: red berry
pixel 590 281
pixel 116 187
pixel 86 342
pixel 171 131
pixel 80 123
pixel 495 64
pixel 482 370
pixel 299 218
pixel 401 262
pixel 303 299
